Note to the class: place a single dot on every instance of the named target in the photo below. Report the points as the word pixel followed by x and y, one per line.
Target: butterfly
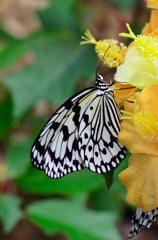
pixel 82 133
pixel 142 220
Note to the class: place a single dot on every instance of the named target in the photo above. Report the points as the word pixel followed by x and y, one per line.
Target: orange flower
pixel 151 28
pixel 140 135
pixel 122 92
pixel 136 128
pixel 141 180
pixel 152 4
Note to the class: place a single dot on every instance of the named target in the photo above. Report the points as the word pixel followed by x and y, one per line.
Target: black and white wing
pixel 142 220
pixel 60 133
pixel 98 134
pixel 81 133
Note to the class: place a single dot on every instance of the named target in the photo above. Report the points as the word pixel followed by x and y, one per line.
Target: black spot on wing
pixel 65 132
pixel 76 110
pixel 86 118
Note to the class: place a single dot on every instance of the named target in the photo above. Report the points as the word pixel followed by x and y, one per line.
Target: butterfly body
pixel 81 133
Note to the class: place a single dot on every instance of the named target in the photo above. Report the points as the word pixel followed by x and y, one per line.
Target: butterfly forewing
pixel 52 127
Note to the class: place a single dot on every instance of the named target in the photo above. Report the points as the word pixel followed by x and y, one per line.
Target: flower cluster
pixel 114 55
pixel 139 127
pixel 137 65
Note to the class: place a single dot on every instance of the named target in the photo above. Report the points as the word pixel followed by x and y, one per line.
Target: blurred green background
pixel 42 64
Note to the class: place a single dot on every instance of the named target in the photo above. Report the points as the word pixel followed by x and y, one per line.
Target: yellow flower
pixel 139 133
pixel 146 46
pixel 136 70
pixel 113 50
pixel 140 66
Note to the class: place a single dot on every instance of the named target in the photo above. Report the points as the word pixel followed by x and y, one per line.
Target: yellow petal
pixel 147 100
pixel 88 38
pixel 146 125
pixel 143 79
pixel 152 4
pixel 141 181
pixel 129 137
pixel 128 72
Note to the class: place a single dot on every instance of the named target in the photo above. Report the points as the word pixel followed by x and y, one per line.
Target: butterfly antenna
pixel 102 60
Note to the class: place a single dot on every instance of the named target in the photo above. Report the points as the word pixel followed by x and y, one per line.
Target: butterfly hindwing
pixel 98 130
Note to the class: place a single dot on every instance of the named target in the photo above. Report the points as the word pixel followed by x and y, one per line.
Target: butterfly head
pixel 101 84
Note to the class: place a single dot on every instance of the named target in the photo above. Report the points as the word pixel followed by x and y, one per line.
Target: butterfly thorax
pixel 102 85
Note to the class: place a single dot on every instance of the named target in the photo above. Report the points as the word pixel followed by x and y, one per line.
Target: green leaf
pixel 59 64
pixel 71 218
pixel 18 158
pixel 109 176
pixel 10 212
pixel 79 182
pixel 103 199
pixel 5 35
pixel 100 198
pixel 6 107
pixel 59 16
pixel 12 52
pixel 15 49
